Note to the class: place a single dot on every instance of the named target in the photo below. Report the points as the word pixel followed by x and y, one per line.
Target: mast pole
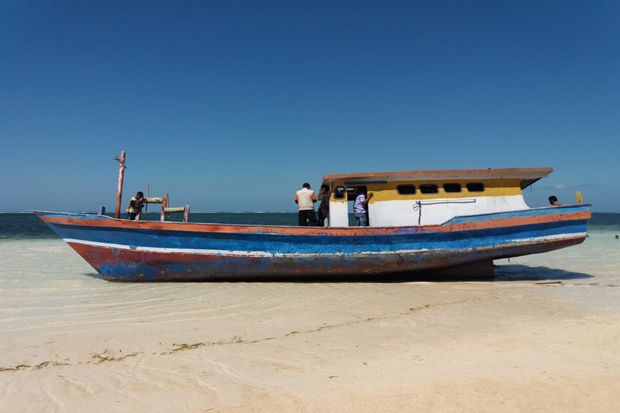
pixel 119 189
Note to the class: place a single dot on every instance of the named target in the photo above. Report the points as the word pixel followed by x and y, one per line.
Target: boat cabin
pixel 411 198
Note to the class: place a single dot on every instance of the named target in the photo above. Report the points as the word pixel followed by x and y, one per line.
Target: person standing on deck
pixel 360 208
pixel 305 199
pixel 324 206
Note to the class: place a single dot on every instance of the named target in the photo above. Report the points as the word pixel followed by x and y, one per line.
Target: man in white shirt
pixel 305 199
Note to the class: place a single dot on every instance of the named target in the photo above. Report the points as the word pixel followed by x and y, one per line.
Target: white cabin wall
pixel 438 211
pixel 338 214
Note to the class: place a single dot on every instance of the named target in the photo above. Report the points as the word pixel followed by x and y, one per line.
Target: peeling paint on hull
pixel 155 251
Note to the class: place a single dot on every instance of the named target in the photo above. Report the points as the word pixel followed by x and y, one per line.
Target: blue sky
pixel 231 106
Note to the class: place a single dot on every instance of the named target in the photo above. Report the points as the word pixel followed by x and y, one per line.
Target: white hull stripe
pixel 231 253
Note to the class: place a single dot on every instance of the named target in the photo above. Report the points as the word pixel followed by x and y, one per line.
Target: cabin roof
pixel 527 175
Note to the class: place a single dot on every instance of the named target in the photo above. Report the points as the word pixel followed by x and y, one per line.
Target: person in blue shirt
pixel 360 207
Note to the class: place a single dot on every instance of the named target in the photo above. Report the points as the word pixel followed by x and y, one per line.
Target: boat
pixel 419 222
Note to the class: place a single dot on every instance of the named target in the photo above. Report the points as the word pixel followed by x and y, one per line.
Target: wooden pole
pixel 119 189
pixel 148 193
pixel 186 214
pixel 164 205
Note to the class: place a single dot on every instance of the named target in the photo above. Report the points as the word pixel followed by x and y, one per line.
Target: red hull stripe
pixel 127 264
pixel 310 231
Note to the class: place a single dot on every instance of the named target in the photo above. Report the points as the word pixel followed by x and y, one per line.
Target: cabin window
pixel 475 187
pixel 452 187
pixel 339 192
pixel 429 189
pixel 406 189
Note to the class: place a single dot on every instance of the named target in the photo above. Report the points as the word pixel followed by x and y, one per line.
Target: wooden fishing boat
pixel 418 221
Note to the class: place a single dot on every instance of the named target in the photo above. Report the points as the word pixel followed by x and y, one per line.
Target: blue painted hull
pixel 149 251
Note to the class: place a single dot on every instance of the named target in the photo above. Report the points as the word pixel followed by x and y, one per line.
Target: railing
pixel 165 209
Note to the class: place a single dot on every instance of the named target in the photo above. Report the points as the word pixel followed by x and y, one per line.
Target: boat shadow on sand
pixel 517 272
pixel 501 273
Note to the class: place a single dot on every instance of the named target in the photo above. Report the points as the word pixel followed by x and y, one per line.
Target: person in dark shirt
pixel 553 200
pixel 134 209
pixel 324 205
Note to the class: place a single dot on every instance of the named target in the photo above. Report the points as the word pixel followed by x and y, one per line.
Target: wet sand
pixel 543 336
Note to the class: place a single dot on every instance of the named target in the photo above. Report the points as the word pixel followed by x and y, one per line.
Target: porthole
pixel 406 189
pixel 429 189
pixel 452 187
pixel 475 187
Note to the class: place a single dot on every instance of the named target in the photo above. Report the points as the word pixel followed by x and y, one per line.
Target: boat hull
pixel 156 251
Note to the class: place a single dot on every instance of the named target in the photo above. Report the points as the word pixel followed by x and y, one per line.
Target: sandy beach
pixel 543 336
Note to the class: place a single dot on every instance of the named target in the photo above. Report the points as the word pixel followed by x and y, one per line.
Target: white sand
pixel 537 339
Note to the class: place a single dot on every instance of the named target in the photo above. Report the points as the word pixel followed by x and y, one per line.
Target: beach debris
pixel 193 346
pixel 185 346
pixel 41 365
pixel 18 367
pixel 107 355
pixel 414 309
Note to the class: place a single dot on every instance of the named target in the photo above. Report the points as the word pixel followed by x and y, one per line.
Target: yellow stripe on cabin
pixel 388 191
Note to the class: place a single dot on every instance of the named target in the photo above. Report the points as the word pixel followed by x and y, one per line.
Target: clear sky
pixel 232 105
